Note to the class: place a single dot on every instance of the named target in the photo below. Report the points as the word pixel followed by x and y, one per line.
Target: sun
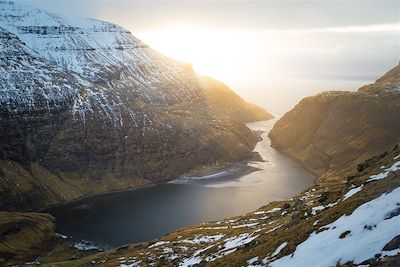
pixel 216 53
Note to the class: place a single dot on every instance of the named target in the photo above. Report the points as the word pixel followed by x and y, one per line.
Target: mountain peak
pixel 84 104
pixel 389 82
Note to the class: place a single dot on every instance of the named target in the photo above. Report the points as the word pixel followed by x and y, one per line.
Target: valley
pixel 131 217
pixel 113 154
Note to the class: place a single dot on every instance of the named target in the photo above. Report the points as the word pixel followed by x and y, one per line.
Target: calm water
pixel 145 214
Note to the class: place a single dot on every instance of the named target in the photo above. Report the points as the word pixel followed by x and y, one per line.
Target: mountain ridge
pixel 340 128
pixel 86 108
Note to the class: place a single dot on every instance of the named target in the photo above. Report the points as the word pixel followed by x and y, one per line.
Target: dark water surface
pixel 144 214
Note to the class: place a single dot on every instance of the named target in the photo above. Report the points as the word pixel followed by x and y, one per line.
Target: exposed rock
pixel 323 197
pixel 393 244
pixel 344 234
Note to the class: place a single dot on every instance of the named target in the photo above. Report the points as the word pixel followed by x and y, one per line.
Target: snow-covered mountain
pixel 102 53
pixel 28 81
pixel 86 107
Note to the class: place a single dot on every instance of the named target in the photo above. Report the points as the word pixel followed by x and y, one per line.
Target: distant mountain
pixel 85 107
pixel 333 131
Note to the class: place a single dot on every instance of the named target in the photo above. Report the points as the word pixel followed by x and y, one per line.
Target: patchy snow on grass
pixel 168 250
pixel 62 236
pixel 202 239
pixel 245 225
pixel 327 249
pixel 241 240
pixel 273 229
pixel 259 212
pixel 267 211
pixel 385 173
pixel 84 245
pixel 190 261
pixel 215 228
pixel 252 260
pixel 353 191
pixel 390 253
pixel 159 243
pixel 279 249
pixel 133 264
pixel 316 209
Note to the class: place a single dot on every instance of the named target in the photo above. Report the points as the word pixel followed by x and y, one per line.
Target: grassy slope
pixel 227 103
pixel 24 235
pixel 291 222
pixel 331 132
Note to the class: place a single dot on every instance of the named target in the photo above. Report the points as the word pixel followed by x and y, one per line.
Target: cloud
pixel 377 28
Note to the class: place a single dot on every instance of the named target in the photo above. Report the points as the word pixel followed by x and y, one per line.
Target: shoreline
pixel 315 174
pixel 242 170
pixel 219 173
pixel 198 172
pixel 196 175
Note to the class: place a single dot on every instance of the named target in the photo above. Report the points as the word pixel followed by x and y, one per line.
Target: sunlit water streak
pixel 145 214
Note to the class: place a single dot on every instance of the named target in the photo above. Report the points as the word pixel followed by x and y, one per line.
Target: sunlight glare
pixel 217 53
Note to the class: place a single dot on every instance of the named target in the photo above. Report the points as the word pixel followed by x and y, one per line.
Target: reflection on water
pixel 144 214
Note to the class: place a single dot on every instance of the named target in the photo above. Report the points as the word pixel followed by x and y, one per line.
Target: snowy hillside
pixel 85 107
pixel 101 52
pixel 352 223
pixel 43 84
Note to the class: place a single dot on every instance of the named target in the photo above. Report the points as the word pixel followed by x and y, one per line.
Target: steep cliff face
pixel 332 131
pixel 85 107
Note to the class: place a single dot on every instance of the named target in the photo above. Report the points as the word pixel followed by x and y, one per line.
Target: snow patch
pixel 159 243
pixel 252 260
pixel 202 239
pixel 352 192
pixel 267 211
pixel 279 249
pixel 85 245
pixel 328 249
pixel 385 173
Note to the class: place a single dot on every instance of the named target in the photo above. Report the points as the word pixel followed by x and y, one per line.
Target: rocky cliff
pixel 332 131
pixel 85 107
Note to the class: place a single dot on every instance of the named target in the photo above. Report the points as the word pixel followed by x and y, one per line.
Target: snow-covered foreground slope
pixel 367 230
pixel 354 222
pixel 85 107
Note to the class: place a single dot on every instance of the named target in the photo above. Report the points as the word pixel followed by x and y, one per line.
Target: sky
pixel 272 53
